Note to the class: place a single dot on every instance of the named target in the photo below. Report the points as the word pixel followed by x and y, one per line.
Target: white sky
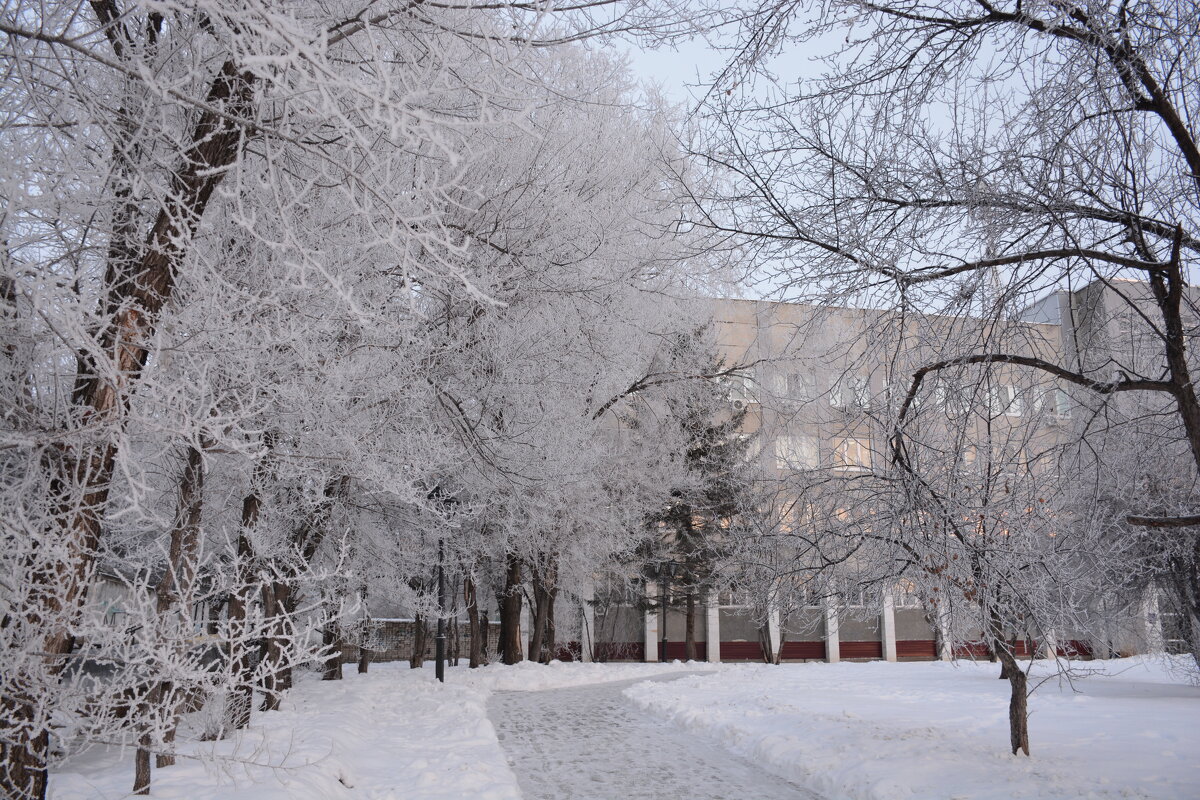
pixel 675 71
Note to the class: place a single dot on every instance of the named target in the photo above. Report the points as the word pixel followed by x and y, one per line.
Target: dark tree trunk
pixel 279 671
pixel 332 643
pixel 454 643
pixel 471 602
pixel 485 631
pixel 503 623
pixel 510 612
pixel 764 641
pixel 1018 703
pixel 241 695
pixel 545 590
pixel 541 611
pixel 364 659
pixel 1018 710
pixel 171 594
pixel 271 650
pixel 689 628
pixel 420 642
pixel 141 766
pixel 136 290
pixel 550 637
pixel 24 774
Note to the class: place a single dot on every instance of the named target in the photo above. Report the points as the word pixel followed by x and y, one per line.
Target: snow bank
pixel 393 733
pixel 883 731
pixel 528 676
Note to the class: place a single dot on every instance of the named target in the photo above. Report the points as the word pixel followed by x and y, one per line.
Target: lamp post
pixel 440 663
pixel 666 571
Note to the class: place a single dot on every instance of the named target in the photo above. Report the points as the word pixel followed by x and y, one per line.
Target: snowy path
pixel 593 742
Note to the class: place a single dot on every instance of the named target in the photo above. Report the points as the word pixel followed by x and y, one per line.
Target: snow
pixel 854 731
pixel 592 741
pixel 393 733
pixel 528 676
pixel 938 730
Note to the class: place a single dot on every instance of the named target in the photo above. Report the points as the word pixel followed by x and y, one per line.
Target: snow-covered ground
pixel 593 743
pixel 931 731
pixel 937 730
pixel 394 734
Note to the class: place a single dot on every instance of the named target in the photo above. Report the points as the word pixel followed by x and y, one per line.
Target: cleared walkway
pixel 591 742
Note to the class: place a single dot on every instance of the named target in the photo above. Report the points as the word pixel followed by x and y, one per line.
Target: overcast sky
pixel 675 71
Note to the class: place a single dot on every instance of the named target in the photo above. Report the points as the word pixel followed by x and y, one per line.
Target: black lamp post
pixel 440 663
pixel 666 571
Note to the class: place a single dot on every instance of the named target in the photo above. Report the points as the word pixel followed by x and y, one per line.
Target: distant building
pixel 813 391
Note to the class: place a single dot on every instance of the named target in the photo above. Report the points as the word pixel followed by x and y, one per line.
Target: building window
pixel 801 386
pixel 812 597
pixel 907 595
pixel 740 388
pixel 796 452
pixel 850 391
pixel 753 446
pixel 855 596
pixel 851 454
pixel 1062 404
pixel 967 459
pixel 1005 400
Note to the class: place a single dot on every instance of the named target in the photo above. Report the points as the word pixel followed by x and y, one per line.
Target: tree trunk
pixel 510 612
pixel 485 631
pixel 141 766
pixel 277 676
pixel 541 611
pixel 471 602
pixel 241 694
pixel 1018 703
pixel 136 290
pixel 420 641
pixel 417 657
pixel 1018 710
pixel 689 628
pixel 454 643
pixel 364 660
pixel 502 620
pixel 550 637
pixel 764 641
pixel 545 591
pixel 331 643
pixel 176 584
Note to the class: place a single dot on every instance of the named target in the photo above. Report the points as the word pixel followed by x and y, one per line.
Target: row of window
pixel 854 454
pixel 850 595
pixel 847 453
pixel 854 391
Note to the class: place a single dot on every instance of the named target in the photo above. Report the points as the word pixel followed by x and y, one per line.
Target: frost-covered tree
pixel 223 228
pixel 963 158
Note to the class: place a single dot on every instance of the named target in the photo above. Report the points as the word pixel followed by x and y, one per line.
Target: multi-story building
pixel 821 387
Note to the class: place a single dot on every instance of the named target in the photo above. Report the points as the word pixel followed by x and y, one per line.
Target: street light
pixel 440 663
pixel 666 571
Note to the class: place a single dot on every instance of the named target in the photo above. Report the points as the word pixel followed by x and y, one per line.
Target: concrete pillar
pixel 712 630
pixel 945 645
pixel 1050 646
pixel 525 628
pixel 833 642
pixel 1152 622
pixel 773 631
pixel 650 635
pixel 889 625
pixel 587 624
